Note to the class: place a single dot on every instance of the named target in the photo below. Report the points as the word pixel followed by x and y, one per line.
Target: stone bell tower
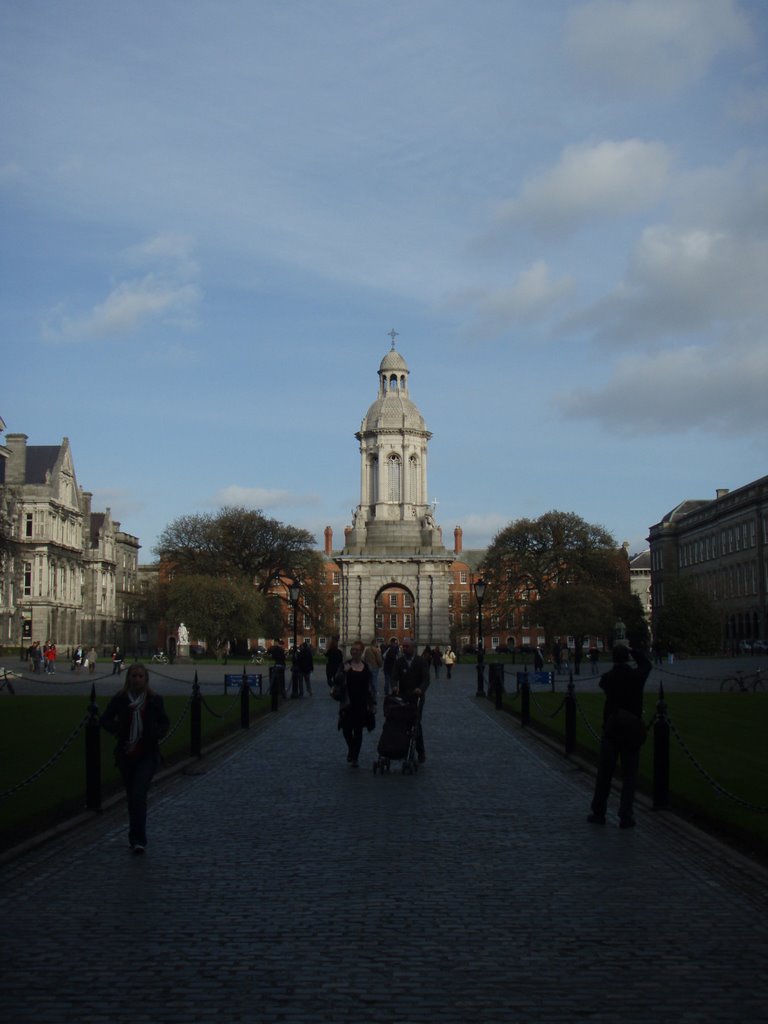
pixel 394 540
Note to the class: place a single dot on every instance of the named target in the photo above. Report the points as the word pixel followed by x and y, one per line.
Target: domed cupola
pixel 394 511
pixel 393 409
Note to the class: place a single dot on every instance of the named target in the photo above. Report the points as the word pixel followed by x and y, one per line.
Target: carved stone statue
pixel 183 634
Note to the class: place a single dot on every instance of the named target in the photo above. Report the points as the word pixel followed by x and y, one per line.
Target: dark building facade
pixel 721 545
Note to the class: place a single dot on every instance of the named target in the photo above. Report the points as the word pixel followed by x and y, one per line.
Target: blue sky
pixel 213 213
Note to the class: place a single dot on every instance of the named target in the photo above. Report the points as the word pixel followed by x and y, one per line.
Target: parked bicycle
pixel 160 658
pixel 6 684
pixel 743 683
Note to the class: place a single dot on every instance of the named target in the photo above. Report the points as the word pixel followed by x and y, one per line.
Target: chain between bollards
pixel 661 754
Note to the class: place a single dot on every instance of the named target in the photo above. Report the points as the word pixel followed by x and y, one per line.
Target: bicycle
pixel 160 658
pixel 741 683
pixel 6 684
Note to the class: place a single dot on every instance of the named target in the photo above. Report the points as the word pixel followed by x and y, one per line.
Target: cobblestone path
pixel 281 885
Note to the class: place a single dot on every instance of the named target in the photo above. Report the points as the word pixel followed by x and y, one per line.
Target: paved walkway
pixel 281 885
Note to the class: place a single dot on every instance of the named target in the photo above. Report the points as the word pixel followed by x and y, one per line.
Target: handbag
pixel 626 729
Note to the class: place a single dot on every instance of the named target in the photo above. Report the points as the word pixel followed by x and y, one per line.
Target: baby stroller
pixel 398 737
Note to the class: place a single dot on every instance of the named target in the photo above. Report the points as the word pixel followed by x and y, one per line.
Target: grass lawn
pixel 723 734
pixel 34 729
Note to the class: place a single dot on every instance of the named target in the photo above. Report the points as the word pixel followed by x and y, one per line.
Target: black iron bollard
pixel 480 692
pixel 661 754
pixel 525 702
pixel 496 682
pixel 570 720
pixel 93 756
pixel 196 732
pixel 245 717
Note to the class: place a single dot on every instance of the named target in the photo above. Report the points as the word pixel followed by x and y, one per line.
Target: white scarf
pixel 137 722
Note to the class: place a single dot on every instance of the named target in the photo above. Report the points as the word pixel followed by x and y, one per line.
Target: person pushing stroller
pixel 410 679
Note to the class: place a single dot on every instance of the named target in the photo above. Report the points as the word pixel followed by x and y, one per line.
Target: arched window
pixel 394 482
pixel 413 479
pixel 373 480
pixel 393 382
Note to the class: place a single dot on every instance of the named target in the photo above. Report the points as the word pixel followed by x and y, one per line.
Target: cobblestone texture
pixel 280 885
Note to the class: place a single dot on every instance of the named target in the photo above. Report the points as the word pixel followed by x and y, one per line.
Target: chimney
pixel 722 491
pixel 16 464
pixel 457 542
pixel 328 541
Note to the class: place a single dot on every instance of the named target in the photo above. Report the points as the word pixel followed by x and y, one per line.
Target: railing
pixel 90 725
pixel 660 727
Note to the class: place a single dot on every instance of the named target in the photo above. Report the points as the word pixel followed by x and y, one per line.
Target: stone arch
pixel 394 611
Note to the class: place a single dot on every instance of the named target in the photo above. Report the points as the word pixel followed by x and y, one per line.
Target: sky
pixel 212 212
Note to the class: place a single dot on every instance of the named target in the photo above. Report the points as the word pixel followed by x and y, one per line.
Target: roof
pixel 393 410
pixel 41 458
pixel 393 361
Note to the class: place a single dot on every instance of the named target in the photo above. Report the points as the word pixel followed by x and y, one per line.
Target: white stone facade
pixel 394 540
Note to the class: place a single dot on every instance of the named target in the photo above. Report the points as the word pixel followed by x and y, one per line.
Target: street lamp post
pixel 480 586
pixel 293 592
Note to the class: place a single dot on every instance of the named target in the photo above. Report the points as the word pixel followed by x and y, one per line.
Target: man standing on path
pixel 391 655
pixel 410 677
pixel 623 733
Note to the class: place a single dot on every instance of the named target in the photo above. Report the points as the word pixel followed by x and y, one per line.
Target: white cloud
pixel 719 389
pixel 660 45
pixel 126 308
pixel 477 530
pixel 259 497
pixel 167 292
pixel 170 252
pixel 681 280
pixel 592 180
pixel 534 295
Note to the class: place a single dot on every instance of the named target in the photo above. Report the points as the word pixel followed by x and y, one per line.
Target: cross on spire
pixel 393 334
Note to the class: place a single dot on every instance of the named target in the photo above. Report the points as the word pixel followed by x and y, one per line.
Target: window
pixel 27 579
pixel 406 622
pixel 393 600
pixel 413 479
pixel 407 603
pixel 393 621
pixel 28 525
pixel 463 576
pixel 394 481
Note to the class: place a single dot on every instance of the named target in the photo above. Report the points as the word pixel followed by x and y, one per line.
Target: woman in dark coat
pixel 136 716
pixel 359 702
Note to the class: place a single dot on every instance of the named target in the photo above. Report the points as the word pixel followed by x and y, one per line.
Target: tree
pixel 570 573
pixel 238 543
pixel 687 621
pixel 216 609
pixel 248 548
